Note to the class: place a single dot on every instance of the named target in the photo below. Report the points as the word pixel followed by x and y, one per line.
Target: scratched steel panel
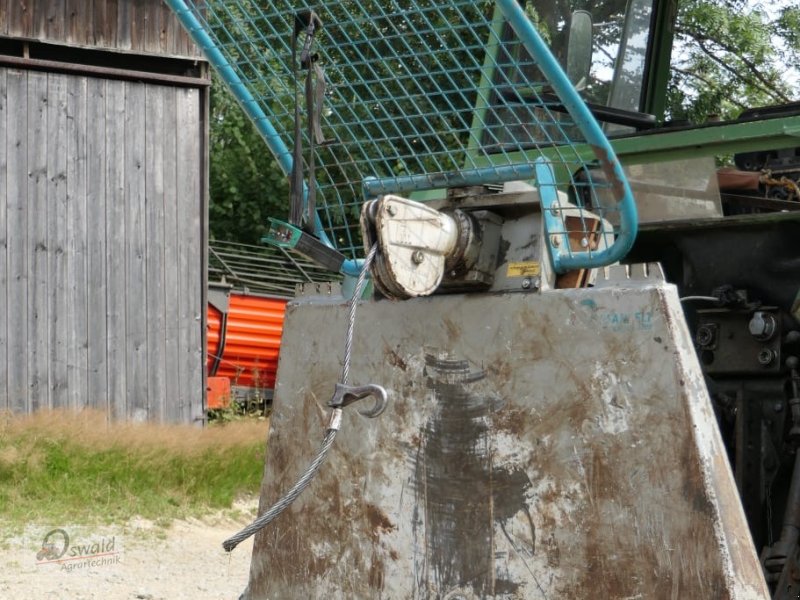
pixel 535 446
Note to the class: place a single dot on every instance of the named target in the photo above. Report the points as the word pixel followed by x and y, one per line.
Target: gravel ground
pixel 135 561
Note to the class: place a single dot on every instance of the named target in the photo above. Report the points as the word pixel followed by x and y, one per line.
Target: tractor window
pixel 620 34
pixel 610 75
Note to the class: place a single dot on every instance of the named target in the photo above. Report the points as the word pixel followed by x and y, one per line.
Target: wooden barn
pixel 103 209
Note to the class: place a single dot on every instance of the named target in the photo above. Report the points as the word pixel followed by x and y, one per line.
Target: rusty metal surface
pixel 559 445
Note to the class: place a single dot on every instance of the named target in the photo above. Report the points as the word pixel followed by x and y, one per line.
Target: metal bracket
pixel 344 395
pixel 285 235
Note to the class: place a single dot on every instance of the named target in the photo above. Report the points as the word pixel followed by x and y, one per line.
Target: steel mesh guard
pixel 422 95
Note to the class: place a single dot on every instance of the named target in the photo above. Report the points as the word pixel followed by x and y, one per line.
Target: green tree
pixel 246 184
pixel 733 54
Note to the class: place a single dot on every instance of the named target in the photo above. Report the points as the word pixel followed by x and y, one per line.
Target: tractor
pixel 564 361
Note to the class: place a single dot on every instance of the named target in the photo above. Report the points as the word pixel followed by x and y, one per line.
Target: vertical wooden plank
pixel 54 18
pixel 188 48
pixel 136 250
pixel 4 16
pixel 4 202
pixel 96 201
pixel 189 276
pixel 56 193
pixel 16 298
pixel 115 248
pixel 165 22
pixel 138 24
pixel 172 408
pixel 172 34
pixel 38 292
pixel 39 10
pixel 155 132
pixel 153 12
pixel 77 240
pixel 125 11
pixel 20 18
pixel 79 22
pixel 105 22
pixel 204 134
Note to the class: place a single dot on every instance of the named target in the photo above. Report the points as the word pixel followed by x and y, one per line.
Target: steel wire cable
pixel 330 433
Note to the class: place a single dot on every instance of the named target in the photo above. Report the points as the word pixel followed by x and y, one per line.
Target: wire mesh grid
pixel 256 269
pixel 419 94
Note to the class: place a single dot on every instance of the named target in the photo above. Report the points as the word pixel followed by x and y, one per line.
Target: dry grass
pixel 94 430
pixel 78 466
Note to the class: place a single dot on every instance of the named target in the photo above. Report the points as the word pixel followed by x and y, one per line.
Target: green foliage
pixel 246 184
pixel 731 55
pixel 250 409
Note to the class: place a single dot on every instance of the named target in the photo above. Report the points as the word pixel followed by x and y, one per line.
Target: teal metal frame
pixel 251 108
pixel 563 257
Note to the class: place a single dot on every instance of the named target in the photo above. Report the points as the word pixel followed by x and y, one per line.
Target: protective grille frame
pixel 421 95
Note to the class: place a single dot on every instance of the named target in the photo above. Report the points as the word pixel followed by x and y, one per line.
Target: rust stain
pixel 513 421
pixel 749 569
pixel 379 523
pixel 607 165
pixel 452 328
pixel 501 371
pixel 689 523
pixel 393 358
pixel 375 578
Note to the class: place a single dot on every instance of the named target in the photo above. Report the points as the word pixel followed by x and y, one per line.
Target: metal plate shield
pixel 555 445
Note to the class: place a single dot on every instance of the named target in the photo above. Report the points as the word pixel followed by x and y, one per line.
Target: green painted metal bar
pixel 667 145
pixel 728 138
pixel 482 104
pixel 657 72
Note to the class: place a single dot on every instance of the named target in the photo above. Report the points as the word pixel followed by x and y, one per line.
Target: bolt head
pixel 765 357
pixel 417 257
pixel 705 335
pixel 762 326
pixel 526 283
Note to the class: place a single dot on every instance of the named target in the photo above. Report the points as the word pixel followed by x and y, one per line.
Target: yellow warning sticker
pixel 529 268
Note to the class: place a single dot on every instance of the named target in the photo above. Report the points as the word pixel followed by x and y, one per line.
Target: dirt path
pixel 135 561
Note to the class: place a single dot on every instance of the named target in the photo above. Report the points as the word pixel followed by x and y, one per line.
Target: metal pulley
pixel 417 245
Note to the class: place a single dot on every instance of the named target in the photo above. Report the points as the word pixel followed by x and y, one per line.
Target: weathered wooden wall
pixel 102 222
pixel 145 26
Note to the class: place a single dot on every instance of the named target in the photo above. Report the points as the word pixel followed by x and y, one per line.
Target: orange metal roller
pixel 249 340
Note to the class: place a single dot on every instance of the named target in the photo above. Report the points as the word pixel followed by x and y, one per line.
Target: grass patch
pixel 79 468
